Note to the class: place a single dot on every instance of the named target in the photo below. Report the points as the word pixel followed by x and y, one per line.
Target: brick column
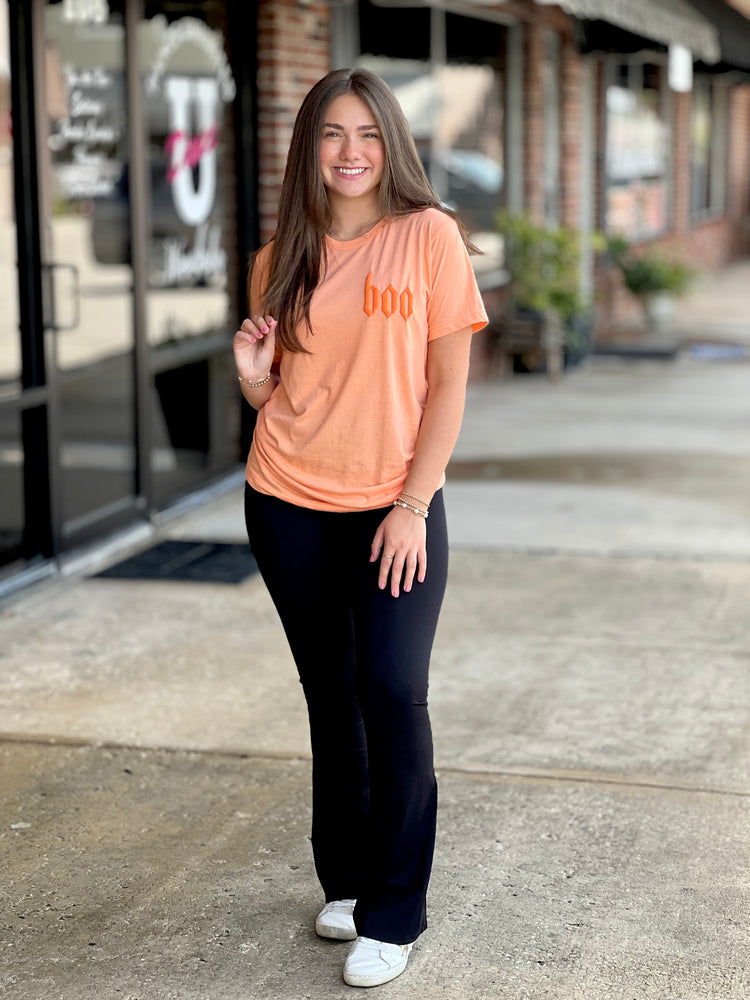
pixel 533 114
pixel 571 124
pixel 738 167
pixel 293 53
pixel 681 173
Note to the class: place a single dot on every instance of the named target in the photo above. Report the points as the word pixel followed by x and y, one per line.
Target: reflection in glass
pixel 637 152
pixel 188 89
pixel 10 344
pixel 90 289
pixel 11 485
pixel 11 450
pixel 700 135
pixel 454 105
pixel 708 125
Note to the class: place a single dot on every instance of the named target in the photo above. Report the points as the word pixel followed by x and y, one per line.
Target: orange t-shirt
pixel 340 429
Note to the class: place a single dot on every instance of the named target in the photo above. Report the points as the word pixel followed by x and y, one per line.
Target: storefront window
pixel 445 70
pixel 11 452
pixel 116 387
pixel 10 353
pixel 551 90
pixel 88 285
pixel 708 135
pixel 188 90
pixel 637 152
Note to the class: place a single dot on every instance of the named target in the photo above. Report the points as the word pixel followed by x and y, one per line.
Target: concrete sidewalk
pixel 715 307
pixel 589 699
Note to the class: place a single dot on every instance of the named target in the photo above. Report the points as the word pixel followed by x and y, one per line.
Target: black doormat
pixel 197 562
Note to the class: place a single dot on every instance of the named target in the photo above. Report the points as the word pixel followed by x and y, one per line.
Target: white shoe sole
pixel 335 933
pixel 376 978
pixel 337 924
pixel 380 980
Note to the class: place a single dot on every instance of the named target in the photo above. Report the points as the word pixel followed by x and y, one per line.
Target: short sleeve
pixel 260 269
pixel 454 301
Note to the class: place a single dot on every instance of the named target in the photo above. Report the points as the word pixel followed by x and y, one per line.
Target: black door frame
pixel 33 400
pixel 42 535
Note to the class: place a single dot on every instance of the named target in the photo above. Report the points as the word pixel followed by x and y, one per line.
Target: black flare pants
pixel 363 660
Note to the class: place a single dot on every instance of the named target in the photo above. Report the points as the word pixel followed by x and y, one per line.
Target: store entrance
pixel 120 266
pixel 87 271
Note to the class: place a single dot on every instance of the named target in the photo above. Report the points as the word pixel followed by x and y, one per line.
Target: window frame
pixel 718 118
pixel 637 62
pixel 346 50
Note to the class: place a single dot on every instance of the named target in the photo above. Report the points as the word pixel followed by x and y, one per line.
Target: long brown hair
pixel 298 253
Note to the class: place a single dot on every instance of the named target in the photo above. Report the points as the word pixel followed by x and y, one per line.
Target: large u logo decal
pixel 193 206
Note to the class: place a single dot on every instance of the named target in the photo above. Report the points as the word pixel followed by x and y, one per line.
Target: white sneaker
pixel 336 920
pixel 372 963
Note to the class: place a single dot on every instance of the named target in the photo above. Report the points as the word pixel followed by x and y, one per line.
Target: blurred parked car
pixel 474 183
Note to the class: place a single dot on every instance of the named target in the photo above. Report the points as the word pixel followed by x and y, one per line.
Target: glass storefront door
pixel 87 268
pixel 188 91
pixel 11 438
pixel 119 266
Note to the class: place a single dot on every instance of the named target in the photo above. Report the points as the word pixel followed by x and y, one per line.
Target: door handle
pixel 51 271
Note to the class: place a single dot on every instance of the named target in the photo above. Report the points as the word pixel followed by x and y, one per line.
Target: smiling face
pixel 351 151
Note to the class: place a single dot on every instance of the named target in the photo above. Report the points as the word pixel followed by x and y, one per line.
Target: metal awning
pixel 669 22
pixel 734 32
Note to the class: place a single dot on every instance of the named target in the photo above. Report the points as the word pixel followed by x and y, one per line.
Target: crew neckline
pixel 358 240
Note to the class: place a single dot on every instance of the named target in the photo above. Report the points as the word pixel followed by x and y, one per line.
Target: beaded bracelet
pixel 254 383
pixel 408 506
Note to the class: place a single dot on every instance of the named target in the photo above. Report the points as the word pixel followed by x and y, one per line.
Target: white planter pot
pixel 659 310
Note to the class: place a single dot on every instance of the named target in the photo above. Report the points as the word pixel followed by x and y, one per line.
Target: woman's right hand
pixel 254 347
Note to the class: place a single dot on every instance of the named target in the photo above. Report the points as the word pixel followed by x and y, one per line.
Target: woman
pixel 367 299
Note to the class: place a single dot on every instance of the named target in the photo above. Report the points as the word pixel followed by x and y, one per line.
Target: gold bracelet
pixel 408 506
pixel 254 383
pixel 413 501
pixel 410 496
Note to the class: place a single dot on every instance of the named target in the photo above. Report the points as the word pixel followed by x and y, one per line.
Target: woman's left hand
pixel 401 539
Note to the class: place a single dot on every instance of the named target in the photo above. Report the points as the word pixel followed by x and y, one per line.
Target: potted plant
pixel 653 278
pixel 544 268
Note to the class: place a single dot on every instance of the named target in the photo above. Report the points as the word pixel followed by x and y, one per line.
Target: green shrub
pixel 543 265
pixel 648 273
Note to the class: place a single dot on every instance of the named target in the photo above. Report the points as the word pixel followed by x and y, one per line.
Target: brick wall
pixel 738 169
pixel 680 213
pixel 293 53
pixel 533 121
pixel 571 124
